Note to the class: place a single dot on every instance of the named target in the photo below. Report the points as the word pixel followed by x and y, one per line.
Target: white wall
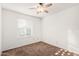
pixel 0 29
pixel 57 27
pixel 10 37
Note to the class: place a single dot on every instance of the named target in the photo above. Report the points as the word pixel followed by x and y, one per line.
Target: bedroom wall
pixel 62 29
pixel 11 39
pixel 0 29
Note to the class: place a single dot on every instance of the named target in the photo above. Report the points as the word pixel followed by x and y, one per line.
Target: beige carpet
pixel 37 49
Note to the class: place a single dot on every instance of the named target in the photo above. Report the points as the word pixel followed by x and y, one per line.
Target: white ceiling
pixel 24 8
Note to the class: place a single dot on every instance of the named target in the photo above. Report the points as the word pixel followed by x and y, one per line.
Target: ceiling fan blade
pixel 41 4
pixel 32 8
pixel 46 11
pixel 38 12
pixel 48 5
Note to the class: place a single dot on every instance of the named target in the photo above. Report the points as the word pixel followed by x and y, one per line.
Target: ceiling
pixel 24 8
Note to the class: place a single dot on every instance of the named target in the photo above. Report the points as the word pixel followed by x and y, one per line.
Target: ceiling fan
pixel 42 7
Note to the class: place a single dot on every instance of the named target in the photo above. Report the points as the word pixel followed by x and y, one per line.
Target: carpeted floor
pixel 37 49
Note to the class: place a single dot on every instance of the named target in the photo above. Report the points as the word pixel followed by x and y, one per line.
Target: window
pixel 24 28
